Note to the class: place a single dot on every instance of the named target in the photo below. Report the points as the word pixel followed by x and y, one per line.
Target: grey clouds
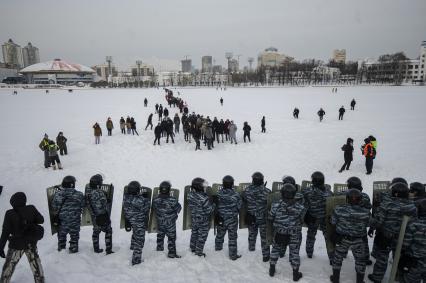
pixel 85 31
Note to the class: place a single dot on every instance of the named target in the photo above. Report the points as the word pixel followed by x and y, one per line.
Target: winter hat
pixel 19 199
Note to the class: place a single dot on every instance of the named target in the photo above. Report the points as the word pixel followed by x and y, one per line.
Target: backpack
pixel 31 232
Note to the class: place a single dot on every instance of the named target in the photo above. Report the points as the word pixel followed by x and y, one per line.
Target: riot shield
pixel 273 197
pixel 152 224
pixel 243 211
pixel 398 249
pixel 51 191
pixel 148 195
pixel 331 204
pixel 187 221
pixel 186 211
pixel 307 184
pixel 380 192
pixel 340 189
pixel 108 189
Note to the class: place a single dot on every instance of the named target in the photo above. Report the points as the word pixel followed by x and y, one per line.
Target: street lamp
pixel 228 56
pixel 139 63
pixel 109 60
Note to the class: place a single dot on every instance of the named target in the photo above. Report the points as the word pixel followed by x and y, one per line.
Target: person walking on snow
pixel 61 141
pixel 263 124
pixel 348 154
pixel 341 112
pixel 321 114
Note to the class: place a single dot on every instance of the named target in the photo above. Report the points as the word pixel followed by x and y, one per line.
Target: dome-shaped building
pixel 58 72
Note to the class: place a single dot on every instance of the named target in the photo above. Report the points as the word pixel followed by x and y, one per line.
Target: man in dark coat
pixel 20 241
pixel 262 124
pixel 149 123
pixel 348 154
pixel 61 141
pixel 341 112
pixel 157 131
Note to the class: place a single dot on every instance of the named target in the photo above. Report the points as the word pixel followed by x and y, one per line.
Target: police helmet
pixel 68 182
pixel 257 178
pixel 228 182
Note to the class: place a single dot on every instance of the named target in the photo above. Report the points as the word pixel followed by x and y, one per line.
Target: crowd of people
pixel 351 223
pixel 195 126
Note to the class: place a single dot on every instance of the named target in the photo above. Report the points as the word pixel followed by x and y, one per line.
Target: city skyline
pixel 162 34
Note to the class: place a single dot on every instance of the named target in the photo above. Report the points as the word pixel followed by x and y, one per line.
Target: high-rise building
pixel 102 71
pixel 271 58
pixel 233 66
pixel 12 54
pixel 422 61
pixel 30 55
pixel 186 65
pixel 339 55
pixel 206 64
pixel 217 69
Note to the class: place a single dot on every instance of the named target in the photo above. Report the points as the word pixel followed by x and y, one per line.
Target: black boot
pixel 173 255
pixel 359 277
pixel 272 270
pixel 266 258
pixel 98 250
pixel 371 278
pixel 235 257
pixel 335 278
pixel 108 252
pixel 297 275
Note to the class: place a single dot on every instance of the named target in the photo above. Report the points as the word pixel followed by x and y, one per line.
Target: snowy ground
pixel 394 115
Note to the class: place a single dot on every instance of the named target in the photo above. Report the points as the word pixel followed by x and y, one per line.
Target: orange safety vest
pixel 368 150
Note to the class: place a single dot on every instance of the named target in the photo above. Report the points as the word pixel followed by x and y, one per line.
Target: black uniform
pixel 20 240
pixel 353 102
pixel 348 154
pixel 157 131
pixel 296 113
pixel 246 130
pixel 262 124
pixel 341 112
pixel 149 122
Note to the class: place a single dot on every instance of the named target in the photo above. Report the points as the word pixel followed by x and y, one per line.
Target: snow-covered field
pixel 396 116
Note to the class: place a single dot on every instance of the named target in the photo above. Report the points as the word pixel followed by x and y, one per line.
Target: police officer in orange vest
pixel 369 152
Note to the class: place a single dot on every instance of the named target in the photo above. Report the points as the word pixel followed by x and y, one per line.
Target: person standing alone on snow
pixel 97 132
pixel 353 102
pixel 321 114
pixel 296 113
pixel 246 130
pixel 109 126
pixel 221 101
pixel 263 124
pixel 348 154
pixel 341 112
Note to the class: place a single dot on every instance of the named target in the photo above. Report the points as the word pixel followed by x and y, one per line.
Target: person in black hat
pixel 21 230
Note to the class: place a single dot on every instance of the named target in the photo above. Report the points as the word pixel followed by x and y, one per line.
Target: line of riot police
pixel 278 215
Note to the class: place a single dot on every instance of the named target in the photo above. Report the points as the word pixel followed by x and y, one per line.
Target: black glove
pixel 215 199
pixel 127 225
pixel 2 255
pixel 370 232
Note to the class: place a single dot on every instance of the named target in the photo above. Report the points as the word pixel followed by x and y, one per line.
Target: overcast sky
pixel 165 31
